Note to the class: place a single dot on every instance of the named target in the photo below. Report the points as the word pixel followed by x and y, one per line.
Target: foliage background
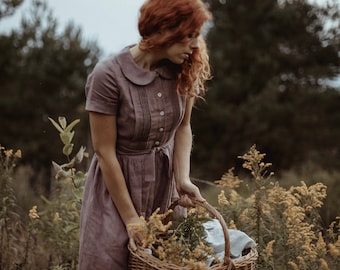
pixel 270 61
pixel 42 73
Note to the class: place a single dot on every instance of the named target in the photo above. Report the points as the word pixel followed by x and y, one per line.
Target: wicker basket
pixel 141 260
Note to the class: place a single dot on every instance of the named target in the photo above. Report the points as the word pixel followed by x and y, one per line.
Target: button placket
pixel 160 97
pixel 161 129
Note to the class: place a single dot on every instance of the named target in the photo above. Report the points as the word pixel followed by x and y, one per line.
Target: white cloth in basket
pixel 239 240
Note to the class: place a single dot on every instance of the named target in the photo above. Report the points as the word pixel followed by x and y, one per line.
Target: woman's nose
pixel 194 43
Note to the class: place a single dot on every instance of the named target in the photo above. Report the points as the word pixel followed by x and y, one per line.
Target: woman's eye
pixel 192 35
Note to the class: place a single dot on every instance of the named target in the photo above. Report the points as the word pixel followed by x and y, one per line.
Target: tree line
pixel 270 62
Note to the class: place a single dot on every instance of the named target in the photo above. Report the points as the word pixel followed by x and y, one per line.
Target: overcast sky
pixel 112 23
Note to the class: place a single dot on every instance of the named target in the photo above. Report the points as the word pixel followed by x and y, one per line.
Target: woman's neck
pixel 145 59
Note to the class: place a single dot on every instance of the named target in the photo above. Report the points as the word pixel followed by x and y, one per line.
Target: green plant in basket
pixel 179 242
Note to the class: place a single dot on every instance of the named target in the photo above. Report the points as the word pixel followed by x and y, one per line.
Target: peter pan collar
pixel 138 75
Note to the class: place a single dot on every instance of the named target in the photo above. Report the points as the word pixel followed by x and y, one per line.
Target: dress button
pixel 159 94
pixel 161 129
pixel 156 142
pixel 161 113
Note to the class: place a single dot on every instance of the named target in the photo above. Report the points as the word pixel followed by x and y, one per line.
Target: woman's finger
pixel 193 192
pixel 198 197
pixel 185 201
pixel 132 244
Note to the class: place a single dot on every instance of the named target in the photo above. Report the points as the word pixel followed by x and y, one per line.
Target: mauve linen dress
pixel 148 111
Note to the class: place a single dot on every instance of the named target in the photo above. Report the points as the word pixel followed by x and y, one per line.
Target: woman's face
pixel 178 53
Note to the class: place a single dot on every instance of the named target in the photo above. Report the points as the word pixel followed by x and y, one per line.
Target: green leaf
pixel 47 201
pixel 67 149
pixel 68 165
pixel 70 126
pixel 55 124
pixel 56 167
pixel 79 179
pixel 71 134
pixel 71 228
pixel 80 155
pixel 65 138
pixel 78 193
pixel 62 122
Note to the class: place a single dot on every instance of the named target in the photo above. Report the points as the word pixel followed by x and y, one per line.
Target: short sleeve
pixel 101 90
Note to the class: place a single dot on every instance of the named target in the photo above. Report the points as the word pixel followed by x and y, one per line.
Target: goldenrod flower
pixel 293 265
pixel 302 262
pixel 334 250
pixel 8 153
pixel 321 245
pixel 232 225
pixel 269 249
pixel 18 154
pixel 33 213
pixel 229 180
pixel 222 200
pixel 324 264
pixel 173 246
pixel 57 217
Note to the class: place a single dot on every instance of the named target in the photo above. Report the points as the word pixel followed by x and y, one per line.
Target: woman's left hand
pixel 188 192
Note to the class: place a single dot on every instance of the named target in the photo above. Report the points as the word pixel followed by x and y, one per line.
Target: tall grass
pixel 284 220
pixel 46 237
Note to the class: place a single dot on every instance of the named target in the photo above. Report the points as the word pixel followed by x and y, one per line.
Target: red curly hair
pixel 180 18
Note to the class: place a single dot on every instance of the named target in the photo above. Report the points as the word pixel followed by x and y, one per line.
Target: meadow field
pixel 41 232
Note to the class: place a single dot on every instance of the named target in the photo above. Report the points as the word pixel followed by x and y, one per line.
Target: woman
pixel 139 104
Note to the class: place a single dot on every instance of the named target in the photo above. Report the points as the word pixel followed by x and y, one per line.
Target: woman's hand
pixel 137 231
pixel 188 192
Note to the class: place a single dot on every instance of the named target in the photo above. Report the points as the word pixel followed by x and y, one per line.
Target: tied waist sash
pixel 150 157
pixel 151 183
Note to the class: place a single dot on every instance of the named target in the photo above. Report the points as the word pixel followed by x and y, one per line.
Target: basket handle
pixel 219 217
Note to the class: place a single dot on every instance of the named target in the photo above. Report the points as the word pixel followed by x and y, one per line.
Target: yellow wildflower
pixel 324 264
pixel 293 265
pixel 222 200
pixel 232 225
pixel 229 180
pixel 33 213
pixel 171 246
pixel 334 250
pixel 269 248
pixel 8 153
pixel 57 217
pixel 321 245
pixel 301 262
pixel 192 265
pixel 18 154
pixel 138 228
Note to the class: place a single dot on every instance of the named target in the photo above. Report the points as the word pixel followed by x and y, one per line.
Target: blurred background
pixel 276 84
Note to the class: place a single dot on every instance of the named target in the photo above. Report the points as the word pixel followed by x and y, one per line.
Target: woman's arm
pixel 104 135
pixel 182 153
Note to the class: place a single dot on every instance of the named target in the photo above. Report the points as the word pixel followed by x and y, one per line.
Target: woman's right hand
pixel 137 231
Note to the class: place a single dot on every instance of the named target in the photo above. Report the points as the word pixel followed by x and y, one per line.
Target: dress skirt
pixel 103 239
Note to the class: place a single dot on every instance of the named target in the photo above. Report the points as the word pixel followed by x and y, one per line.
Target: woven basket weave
pixel 141 260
